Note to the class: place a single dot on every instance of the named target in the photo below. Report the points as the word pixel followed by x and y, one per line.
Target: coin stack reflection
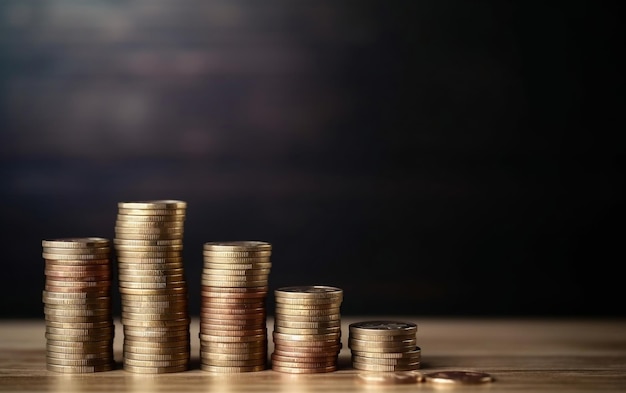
pixel 307 329
pixel 77 305
pixel 153 290
pixel 233 329
pixel 384 346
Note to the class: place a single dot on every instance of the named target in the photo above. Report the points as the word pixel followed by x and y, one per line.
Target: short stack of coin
pixel 153 290
pixel 307 329
pixel 384 346
pixel 233 329
pixel 77 305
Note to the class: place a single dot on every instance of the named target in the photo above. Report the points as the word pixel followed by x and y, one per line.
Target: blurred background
pixel 428 157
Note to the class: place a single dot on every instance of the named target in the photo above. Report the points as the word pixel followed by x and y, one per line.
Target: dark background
pixel 428 157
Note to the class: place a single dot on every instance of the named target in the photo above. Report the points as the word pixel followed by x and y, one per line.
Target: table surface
pixel 523 355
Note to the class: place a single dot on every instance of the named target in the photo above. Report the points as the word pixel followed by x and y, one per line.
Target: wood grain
pixel 523 355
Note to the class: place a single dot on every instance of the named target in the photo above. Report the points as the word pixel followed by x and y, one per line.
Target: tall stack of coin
pixel 77 305
pixel 148 244
pixel 233 330
pixel 307 329
pixel 384 346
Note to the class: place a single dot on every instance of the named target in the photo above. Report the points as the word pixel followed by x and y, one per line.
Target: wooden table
pixel 523 355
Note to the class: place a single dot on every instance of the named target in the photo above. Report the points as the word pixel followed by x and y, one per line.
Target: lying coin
pixel 460 377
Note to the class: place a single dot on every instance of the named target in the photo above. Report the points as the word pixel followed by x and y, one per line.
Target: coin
pixel 309 291
pixel 231 369
pixel 75 242
pixel 382 328
pixel 390 378
pixel 158 204
pixel 293 370
pixel 155 370
pixel 79 369
pixel 151 212
pixel 458 377
pixel 238 245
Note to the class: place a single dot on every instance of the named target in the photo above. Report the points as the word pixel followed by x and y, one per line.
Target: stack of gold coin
pixel 384 346
pixel 148 244
pixel 233 330
pixel 77 305
pixel 307 329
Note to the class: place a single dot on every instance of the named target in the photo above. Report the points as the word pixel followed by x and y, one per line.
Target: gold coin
pixel 53 263
pixel 153 204
pixel 235 272
pixel 387 338
pixel 314 331
pixel 236 265
pixel 86 345
pixel 148 357
pixel 380 328
pixel 67 258
pixel 155 323
pixel 234 347
pixel 179 218
pixel 140 267
pixel 210 254
pixel 76 242
pixel 234 363
pixel 292 370
pixel 147 254
pixel 208 350
pixel 151 212
pixel 104 251
pixel 232 333
pixel 387 368
pixel 385 362
pixel 281 318
pixel 154 299
pixel 155 370
pixel 381 344
pixel 170 277
pixel 233 356
pixel 387 378
pixel 78 319
pixel 301 312
pixel 242 245
pixel 175 347
pixel 135 248
pixel 155 363
pixel 147 231
pixel 62 356
pixel 214 338
pixel 79 369
pixel 234 284
pixel 147 243
pixel 146 236
pixel 178 290
pixel 309 291
pixel 304 343
pixel 231 370
pixel 281 350
pixel 306 337
pixel 82 350
pixel 150 224
pixel 296 302
pixel 84 325
pixel 304 358
pixel 306 325
pixel 458 377
pixel 109 330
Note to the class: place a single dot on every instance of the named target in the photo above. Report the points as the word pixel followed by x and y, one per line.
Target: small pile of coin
pixel 233 329
pixel 307 329
pixel 77 305
pixel 148 244
pixel 384 346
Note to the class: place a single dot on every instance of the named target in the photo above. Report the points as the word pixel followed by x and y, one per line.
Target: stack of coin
pixel 77 305
pixel 233 329
pixel 384 346
pixel 148 244
pixel 307 329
